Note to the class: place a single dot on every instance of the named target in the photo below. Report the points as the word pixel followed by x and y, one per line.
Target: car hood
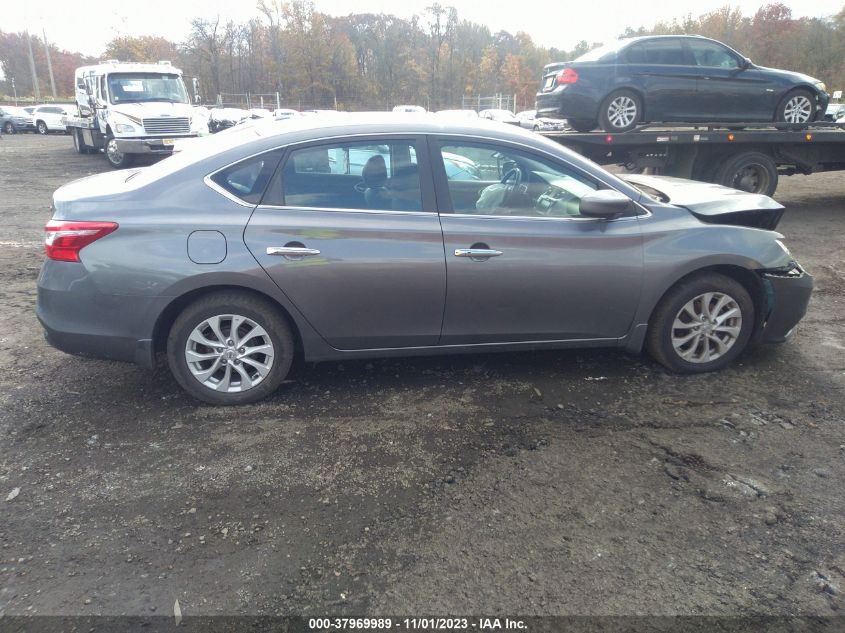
pixel 791 74
pixel 711 203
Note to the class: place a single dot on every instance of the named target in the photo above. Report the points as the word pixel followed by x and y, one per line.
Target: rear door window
pixel 667 52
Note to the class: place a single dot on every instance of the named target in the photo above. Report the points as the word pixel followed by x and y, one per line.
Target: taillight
pixel 567 76
pixel 64 239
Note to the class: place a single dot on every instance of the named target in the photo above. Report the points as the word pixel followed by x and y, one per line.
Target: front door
pixel 522 264
pixel 350 233
pixel 726 89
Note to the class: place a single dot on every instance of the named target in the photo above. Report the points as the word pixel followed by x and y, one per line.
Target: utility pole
pixel 36 89
pixel 49 63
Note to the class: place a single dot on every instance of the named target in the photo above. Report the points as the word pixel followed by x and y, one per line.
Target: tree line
pixel 375 61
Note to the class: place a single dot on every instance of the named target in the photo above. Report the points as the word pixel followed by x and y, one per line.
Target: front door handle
pixel 292 251
pixel 477 253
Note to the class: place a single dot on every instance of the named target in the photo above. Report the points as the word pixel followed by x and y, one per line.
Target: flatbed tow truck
pixel 746 156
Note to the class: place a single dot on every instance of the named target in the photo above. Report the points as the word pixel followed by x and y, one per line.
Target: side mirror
pixel 746 63
pixel 605 203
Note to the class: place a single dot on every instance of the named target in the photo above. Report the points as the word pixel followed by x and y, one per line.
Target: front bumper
pixel 788 294
pixel 149 145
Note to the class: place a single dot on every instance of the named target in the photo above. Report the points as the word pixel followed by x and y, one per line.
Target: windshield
pixel 140 87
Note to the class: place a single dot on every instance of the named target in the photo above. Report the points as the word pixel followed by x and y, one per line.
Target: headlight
pixel 784 248
pixel 123 128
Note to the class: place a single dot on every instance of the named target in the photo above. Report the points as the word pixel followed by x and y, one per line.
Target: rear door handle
pixel 477 253
pixel 292 251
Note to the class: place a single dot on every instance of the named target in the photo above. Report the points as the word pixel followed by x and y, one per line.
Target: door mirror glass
pixel 606 203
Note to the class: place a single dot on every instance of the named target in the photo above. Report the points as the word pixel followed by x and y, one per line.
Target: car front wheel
pixel 796 107
pixel 230 348
pixel 702 324
pixel 42 128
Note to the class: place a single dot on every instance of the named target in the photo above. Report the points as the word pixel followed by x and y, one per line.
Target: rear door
pixel 665 74
pixel 522 264
pixel 350 233
pixel 726 91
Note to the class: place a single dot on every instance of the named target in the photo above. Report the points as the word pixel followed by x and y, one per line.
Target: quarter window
pixel 248 179
pixel 364 175
pixel 494 180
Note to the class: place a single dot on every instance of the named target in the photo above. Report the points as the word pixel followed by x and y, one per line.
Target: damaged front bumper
pixel 788 291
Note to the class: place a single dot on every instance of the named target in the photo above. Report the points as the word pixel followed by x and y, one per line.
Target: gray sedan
pixel 249 248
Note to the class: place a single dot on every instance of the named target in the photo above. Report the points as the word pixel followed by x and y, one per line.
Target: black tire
pixel 632 118
pixel 9 127
pixel 754 172
pixel 263 312
pixel 582 125
pixel 781 114
pixel 42 128
pixel 116 159
pixel 661 326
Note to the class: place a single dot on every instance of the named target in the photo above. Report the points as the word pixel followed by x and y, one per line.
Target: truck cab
pixel 130 109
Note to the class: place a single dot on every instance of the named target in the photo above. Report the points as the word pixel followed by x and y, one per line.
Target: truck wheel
pixel 116 158
pixel 753 172
pixel 581 125
pixel 42 128
pixel 620 111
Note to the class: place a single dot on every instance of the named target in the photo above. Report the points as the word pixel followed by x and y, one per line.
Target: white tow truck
pixel 127 109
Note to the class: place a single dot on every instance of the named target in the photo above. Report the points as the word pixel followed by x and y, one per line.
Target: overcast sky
pixel 86 25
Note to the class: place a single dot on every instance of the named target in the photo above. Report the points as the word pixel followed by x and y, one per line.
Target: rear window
pixel 667 52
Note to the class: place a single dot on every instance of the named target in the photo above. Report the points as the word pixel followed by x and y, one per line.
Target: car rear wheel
pixel 753 172
pixel 230 348
pixel 702 324
pixel 620 111
pixel 42 128
pixel 796 107
pixel 582 125
pixel 9 128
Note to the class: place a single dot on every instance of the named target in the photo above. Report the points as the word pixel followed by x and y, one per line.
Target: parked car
pixel 530 121
pixel 221 118
pixel 246 249
pixel 503 116
pixel 834 111
pixel 458 114
pixel 14 120
pixel 52 117
pixel 408 108
pixel 675 78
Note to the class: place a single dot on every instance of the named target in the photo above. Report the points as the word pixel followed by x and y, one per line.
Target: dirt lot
pixel 539 483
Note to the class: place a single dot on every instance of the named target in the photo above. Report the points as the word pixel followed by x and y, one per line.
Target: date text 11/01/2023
pixel 417 624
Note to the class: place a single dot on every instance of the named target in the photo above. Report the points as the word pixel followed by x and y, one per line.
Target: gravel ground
pixel 539 483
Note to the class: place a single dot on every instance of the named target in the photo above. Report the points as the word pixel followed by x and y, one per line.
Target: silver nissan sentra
pixel 395 235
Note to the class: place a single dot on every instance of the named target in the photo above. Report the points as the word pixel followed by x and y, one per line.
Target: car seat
pixel 374 175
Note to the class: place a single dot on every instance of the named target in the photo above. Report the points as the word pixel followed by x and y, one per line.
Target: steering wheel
pixel 513 178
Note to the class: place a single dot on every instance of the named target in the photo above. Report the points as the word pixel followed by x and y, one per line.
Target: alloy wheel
pixel 706 327
pixel 797 110
pixel 229 353
pixel 114 154
pixel 622 111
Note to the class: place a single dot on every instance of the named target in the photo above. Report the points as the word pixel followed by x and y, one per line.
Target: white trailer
pixel 129 109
